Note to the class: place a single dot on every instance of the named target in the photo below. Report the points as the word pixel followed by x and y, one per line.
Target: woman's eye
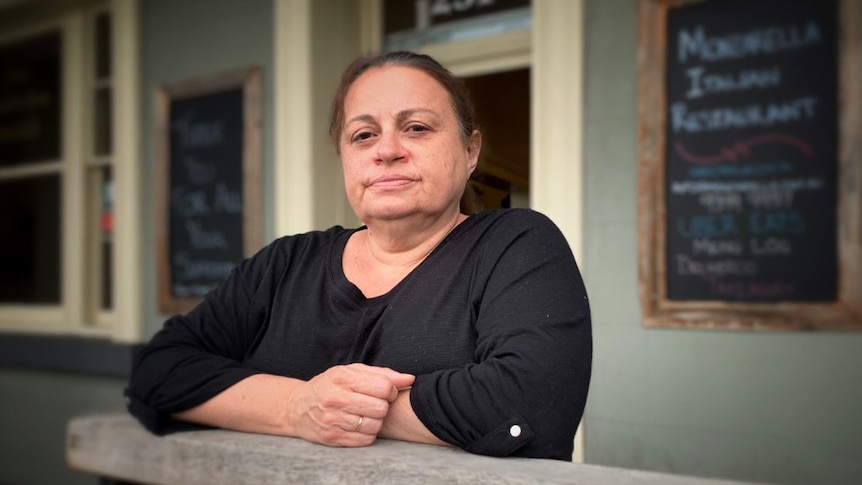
pixel 417 128
pixel 363 135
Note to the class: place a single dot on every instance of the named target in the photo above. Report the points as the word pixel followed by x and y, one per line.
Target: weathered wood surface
pixel 116 446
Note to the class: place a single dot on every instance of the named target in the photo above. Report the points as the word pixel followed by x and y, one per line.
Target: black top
pixel 495 324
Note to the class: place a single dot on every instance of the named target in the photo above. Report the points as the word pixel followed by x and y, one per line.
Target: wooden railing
pixel 116 448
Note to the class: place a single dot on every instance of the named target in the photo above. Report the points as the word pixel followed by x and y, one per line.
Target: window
pixel 58 167
pixel 30 98
pixel 99 186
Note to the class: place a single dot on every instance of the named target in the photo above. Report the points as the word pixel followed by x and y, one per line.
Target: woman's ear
pixel 474 146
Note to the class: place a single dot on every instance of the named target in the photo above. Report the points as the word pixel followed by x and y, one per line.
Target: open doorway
pixel 502 101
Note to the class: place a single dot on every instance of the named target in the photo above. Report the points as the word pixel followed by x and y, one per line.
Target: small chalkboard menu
pixel 208 183
pixel 740 144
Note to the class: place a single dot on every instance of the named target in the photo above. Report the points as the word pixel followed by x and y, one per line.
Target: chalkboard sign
pixel 752 159
pixel 209 183
pixel 741 209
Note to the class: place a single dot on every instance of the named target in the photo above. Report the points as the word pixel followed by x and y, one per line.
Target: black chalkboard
pixel 208 183
pixel 206 212
pixel 751 151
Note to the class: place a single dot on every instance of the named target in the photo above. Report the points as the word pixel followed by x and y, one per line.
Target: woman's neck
pixel 377 259
pixel 407 243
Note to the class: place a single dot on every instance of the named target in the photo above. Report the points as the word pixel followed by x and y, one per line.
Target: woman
pixel 426 325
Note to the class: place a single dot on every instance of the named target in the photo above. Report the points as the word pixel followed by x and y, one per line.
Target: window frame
pixel 78 311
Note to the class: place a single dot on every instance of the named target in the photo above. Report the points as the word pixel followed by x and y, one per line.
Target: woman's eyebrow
pixel 363 118
pixel 407 113
pixel 401 116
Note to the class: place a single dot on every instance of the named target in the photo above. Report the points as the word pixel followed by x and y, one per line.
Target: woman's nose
pixel 389 148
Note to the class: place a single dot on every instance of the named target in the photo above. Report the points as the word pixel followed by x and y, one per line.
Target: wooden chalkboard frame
pixel 843 314
pixel 249 80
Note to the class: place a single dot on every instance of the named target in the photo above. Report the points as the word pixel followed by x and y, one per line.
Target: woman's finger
pixel 378 382
pixel 398 379
pixel 360 404
pixel 363 425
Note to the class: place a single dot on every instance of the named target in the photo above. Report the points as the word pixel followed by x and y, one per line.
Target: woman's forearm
pixel 343 406
pixel 402 424
pixel 256 404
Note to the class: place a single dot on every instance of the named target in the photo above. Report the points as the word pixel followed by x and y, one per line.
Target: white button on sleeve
pixel 515 431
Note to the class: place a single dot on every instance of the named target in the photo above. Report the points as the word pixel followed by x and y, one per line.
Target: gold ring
pixel 359 424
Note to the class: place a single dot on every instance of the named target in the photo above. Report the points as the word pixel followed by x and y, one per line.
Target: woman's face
pixel 401 146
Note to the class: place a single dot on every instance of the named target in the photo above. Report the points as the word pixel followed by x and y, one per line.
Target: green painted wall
pixel 34 409
pixel 778 407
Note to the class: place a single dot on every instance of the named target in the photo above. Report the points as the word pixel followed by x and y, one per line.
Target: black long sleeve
pixel 495 324
pixel 526 389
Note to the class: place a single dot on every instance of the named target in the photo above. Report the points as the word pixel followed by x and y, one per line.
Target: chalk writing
pixel 770 199
pixel 703 84
pixel 761 41
pixel 752 115
pixel 721 201
pixel 699 187
pixel 194 269
pixel 201 238
pixel 199 172
pixel 721 267
pixel 748 170
pixel 192 134
pixel 708 225
pixel 716 247
pixel 226 200
pixel 206 203
pixel 747 290
pixel 740 150
pixel 781 222
pixel 771 245
pixel 189 203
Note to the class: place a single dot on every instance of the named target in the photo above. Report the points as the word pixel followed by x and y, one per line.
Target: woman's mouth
pixel 390 182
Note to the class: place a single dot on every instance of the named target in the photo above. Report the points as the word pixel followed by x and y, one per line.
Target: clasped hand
pixel 345 405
